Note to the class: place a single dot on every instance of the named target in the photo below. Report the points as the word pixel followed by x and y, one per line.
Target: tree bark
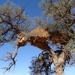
pixel 59 62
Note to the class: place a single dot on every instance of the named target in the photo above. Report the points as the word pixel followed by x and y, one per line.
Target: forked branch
pixel 10 57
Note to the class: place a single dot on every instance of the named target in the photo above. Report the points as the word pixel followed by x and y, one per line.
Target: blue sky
pixel 25 53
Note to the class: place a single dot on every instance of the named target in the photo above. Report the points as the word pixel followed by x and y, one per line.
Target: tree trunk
pixel 59 61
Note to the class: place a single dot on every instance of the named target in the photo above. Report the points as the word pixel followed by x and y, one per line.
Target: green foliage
pixel 53 7
pixel 13 19
pixel 71 47
pixel 60 11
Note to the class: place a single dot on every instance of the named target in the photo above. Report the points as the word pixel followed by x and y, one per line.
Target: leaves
pixel 12 21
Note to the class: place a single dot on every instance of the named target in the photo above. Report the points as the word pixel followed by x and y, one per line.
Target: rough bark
pixel 59 61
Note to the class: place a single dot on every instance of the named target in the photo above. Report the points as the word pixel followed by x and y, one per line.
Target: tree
pixel 13 20
pixel 60 33
pixel 41 65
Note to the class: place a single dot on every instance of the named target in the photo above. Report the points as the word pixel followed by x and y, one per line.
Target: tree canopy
pixel 62 14
pixel 14 25
pixel 13 19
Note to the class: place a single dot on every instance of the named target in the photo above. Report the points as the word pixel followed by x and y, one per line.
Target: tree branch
pixel 10 57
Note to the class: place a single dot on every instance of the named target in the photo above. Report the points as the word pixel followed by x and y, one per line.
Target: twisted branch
pixel 10 57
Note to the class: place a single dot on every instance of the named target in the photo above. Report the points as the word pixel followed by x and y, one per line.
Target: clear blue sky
pixel 25 53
